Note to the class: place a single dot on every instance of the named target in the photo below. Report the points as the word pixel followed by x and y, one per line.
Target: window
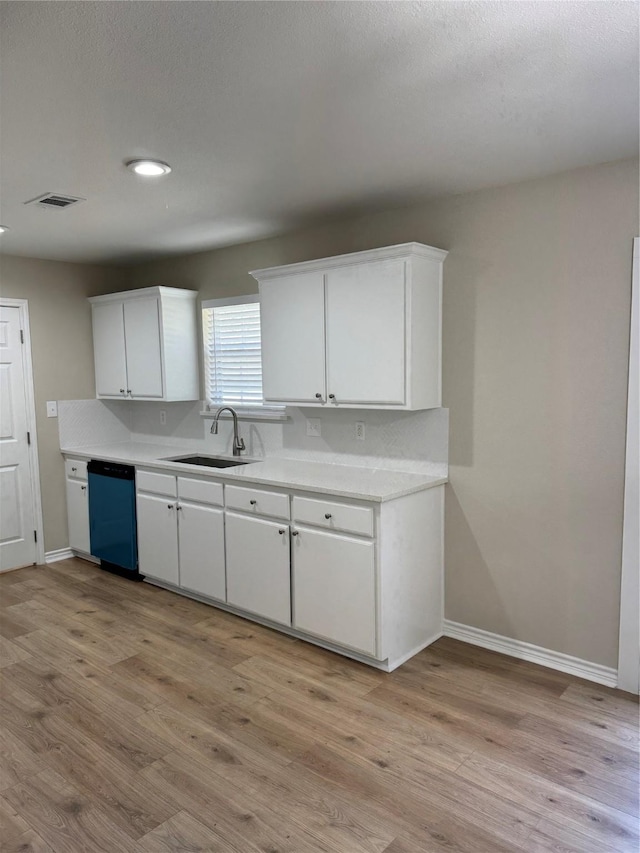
pixel 232 358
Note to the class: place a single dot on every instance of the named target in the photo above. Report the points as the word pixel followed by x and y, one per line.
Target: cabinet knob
pixel 83 488
pixel 318 396
pixel 253 503
pixel 122 390
pixel 178 508
pixel 128 390
pixel 327 515
pixel 169 506
pixel 281 532
pixel 332 396
pixel 74 469
pixel 294 532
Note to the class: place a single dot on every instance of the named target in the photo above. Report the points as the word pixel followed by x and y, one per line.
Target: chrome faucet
pixel 238 443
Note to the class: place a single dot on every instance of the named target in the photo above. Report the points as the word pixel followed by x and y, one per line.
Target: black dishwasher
pixel 112 516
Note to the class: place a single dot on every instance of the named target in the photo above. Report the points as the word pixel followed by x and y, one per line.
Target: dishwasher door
pixel 112 514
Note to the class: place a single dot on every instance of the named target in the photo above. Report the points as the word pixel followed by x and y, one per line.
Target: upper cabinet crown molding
pixel 354 331
pixel 401 250
pixel 145 292
pixel 145 344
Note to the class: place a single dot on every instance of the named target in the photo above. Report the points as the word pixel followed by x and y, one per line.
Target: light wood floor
pixel 137 720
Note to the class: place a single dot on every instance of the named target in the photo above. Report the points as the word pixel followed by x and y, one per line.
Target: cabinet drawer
pixel 202 491
pixel 76 468
pixel 334 516
pixel 156 484
pixel 257 501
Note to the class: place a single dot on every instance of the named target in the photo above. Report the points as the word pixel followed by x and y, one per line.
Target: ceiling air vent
pixel 54 201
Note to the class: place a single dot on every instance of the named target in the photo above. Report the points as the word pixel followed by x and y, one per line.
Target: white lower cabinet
pixel 334 588
pixel 157 537
pixel 77 505
pixel 201 549
pixel 359 576
pixel 180 532
pixel 258 566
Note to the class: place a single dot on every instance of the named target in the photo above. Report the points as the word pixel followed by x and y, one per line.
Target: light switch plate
pixel 52 409
pixel 314 427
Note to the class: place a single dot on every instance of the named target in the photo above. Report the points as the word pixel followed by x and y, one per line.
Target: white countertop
pixel 349 481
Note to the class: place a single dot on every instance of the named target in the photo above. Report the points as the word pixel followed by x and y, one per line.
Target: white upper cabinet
pixel 292 321
pixel 146 345
pixel 357 331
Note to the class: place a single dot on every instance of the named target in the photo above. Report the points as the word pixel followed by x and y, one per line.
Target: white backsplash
pixel 407 441
pixel 83 422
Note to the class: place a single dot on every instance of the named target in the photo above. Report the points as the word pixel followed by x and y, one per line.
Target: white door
pixel 108 349
pixel 157 537
pixel 201 549
pixel 258 567
pixel 366 333
pixel 292 331
pixel 142 339
pixel 334 588
pixel 78 515
pixel 17 517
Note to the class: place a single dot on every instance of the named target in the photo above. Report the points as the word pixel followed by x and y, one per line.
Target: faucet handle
pixel 241 444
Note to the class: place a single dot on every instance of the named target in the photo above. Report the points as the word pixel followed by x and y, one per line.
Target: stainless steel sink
pixel 207 461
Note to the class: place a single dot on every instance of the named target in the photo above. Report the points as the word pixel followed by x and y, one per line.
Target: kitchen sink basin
pixel 208 461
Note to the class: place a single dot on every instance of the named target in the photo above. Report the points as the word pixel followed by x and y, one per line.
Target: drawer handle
pixel 327 515
pixel 253 503
pixel 281 532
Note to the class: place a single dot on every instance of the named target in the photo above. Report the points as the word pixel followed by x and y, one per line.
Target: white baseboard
pixel 60 554
pixel 67 553
pixel 534 654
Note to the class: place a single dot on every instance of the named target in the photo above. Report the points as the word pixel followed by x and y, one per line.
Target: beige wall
pixel 62 353
pixel 536 325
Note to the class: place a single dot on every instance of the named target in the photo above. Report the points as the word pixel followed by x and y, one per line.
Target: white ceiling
pixel 274 114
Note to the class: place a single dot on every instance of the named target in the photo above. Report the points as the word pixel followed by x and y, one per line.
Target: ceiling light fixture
pixel 149 168
pixel 4 228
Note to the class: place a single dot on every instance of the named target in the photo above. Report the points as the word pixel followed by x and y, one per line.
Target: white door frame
pixel 34 468
pixel 629 644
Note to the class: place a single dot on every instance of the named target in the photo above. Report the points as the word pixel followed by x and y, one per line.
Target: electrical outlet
pixel 314 427
pixel 360 430
pixel 52 409
pixel 163 418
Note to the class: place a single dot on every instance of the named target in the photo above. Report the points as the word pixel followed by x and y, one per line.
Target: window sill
pixel 248 413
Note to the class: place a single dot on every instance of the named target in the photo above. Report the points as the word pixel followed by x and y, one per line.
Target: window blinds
pixel 233 363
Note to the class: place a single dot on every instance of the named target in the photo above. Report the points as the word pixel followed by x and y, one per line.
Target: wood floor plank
pixel 29 842
pixel 11 652
pixel 181 834
pixel 64 818
pixel 136 720
pixel 614 828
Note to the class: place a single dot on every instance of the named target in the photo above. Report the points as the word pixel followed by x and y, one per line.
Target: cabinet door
pixel 334 589
pixel 78 516
pixel 201 549
pixel 258 567
pixel 157 537
pixel 108 349
pixel 142 338
pixel 366 333
pixel 292 323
